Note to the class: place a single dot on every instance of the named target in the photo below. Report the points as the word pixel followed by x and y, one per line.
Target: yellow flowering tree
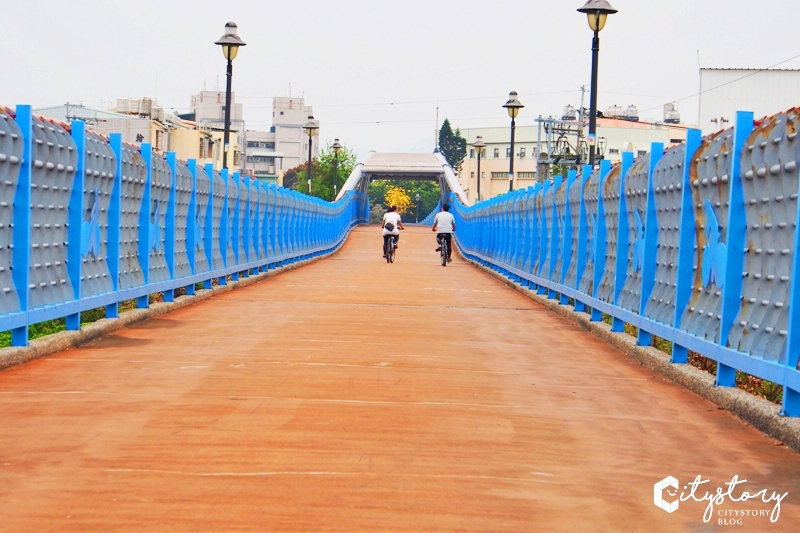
pixel 398 197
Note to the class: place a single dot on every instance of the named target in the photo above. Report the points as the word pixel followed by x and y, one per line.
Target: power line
pixel 759 71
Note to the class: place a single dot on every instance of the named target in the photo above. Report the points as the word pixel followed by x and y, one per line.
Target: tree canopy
pixel 429 195
pixel 452 146
pixel 322 173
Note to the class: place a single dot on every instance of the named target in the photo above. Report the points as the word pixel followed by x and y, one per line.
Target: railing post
pixel 169 223
pixel 191 225
pixel 600 238
pixel 687 238
pixel 737 226
pixel 208 227
pixel 223 227
pixel 583 236
pixel 114 215
pixel 645 338
pixel 144 222
pixel 246 243
pixel 21 255
pixel 791 397
pixel 554 234
pixel 75 217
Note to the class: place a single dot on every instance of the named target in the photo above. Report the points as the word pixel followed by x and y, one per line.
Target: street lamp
pixel 311 129
pixel 596 11
pixel 480 146
pixel 417 198
pixel 336 149
pixel 513 106
pixel 230 43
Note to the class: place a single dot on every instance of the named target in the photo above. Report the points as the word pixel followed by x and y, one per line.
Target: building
pixel 142 121
pixel 285 145
pixel 724 91
pixel 208 114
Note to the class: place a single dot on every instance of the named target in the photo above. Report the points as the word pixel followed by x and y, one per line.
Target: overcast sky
pixel 375 70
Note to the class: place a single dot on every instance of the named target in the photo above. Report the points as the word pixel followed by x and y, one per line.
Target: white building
pixel 285 146
pixel 724 91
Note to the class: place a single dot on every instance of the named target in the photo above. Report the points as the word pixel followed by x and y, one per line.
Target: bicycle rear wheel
pixel 444 252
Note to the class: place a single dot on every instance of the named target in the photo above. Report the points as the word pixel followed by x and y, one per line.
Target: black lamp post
pixel 513 106
pixel 480 146
pixel 596 11
pixel 336 149
pixel 311 129
pixel 230 43
pixel 417 199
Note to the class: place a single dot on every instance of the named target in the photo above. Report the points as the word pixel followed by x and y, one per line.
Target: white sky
pixel 350 58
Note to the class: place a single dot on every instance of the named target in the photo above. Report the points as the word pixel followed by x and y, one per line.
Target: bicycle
pixel 444 249
pixel 389 248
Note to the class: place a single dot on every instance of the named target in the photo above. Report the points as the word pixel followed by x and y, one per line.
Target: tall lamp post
pixel 480 146
pixel 311 129
pixel 597 12
pixel 230 43
pixel 513 106
pixel 417 199
pixel 336 149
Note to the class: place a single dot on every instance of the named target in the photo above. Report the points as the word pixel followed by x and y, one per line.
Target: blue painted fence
pixel 88 223
pixel 696 244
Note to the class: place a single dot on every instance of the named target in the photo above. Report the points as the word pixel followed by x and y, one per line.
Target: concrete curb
pixel 64 340
pixel 757 412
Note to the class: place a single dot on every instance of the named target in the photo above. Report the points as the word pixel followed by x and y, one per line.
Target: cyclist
pixel 391 227
pixel 444 225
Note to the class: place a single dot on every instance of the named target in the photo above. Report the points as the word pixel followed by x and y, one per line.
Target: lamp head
pixel 479 145
pixel 513 105
pixel 230 42
pixel 336 146
pixel 597 11
pixel 311 126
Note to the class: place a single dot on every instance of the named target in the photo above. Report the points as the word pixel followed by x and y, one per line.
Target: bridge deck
pixel 352 395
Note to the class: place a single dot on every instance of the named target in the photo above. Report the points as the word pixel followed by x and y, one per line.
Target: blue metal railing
pixel 88 223
pixel 696 244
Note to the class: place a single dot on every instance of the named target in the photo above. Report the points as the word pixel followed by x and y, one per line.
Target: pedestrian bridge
pixel 355 395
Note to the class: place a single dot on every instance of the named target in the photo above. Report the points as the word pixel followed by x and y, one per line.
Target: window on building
pixel 613 151
pixel 508 152
pixel 522 153
pixel 252 144
pixel 497 175
pixel 642 152
pixel 471 153
pixel 676 141
pixel 483 174
pixel 496 153
pixel 526 174
pixel 472 175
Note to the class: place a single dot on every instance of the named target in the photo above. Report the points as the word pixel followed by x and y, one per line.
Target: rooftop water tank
pixel 569 113
pixel 614 112
pixel 631 114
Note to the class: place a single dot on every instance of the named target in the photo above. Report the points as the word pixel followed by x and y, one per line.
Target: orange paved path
pixel 352 395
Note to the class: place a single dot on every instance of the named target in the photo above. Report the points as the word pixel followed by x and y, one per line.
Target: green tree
pixel 429 195
pixel 452 146
pixel 322 173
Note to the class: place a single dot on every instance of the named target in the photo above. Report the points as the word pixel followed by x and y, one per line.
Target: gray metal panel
pixel 98 181
pixel 264 228
pixel 710 197
pixel 233 197
pixel 159 196
pixel 532 231
pixel 636 206
pixel 134 175
pixel 539 203
pixel 242 222
pixel 11 150
pixel 561 209
pixel 519 217
pixel 770 185
pixel 591 200
pixel 54 160
pixel 183 196
pixel 216 221
pixel 605 291
pixel 255 222
pixel 668 191
pixel 201 196
pixel 574 200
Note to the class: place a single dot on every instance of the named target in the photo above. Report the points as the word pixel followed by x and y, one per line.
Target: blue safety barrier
pixel 87 222
pixel 696 244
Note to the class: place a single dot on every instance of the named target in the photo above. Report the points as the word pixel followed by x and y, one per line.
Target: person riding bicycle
pixel 444 225
pixel 391 227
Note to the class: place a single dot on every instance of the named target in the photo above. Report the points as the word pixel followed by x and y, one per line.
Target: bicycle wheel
pixel 390 255
pixel 388 249
pixel 444 252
